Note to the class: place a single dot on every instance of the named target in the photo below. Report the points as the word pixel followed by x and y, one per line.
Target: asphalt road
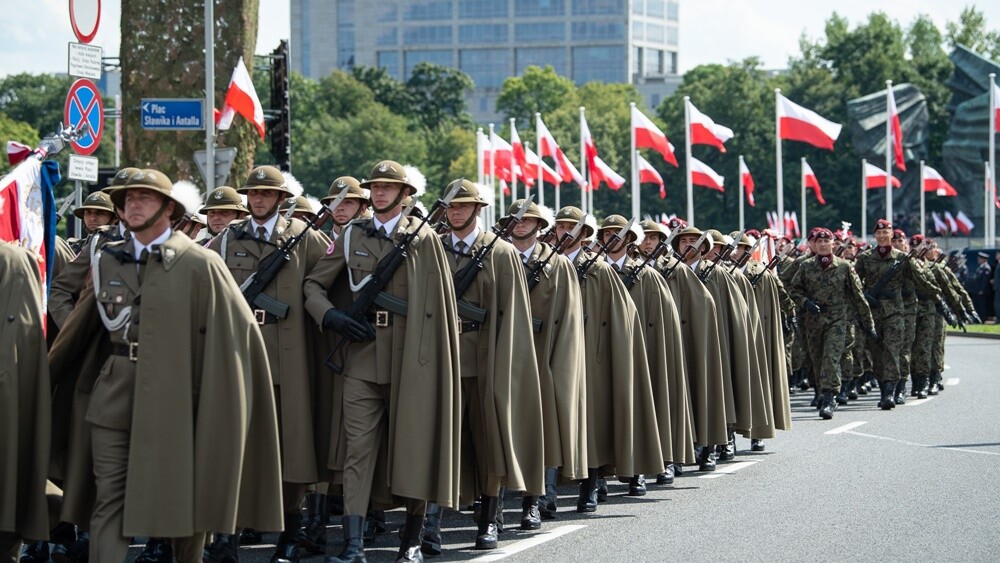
pixel 919 483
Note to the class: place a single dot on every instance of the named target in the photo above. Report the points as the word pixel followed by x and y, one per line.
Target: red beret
pixel 898 234
pixel 883 224
pixel 820 233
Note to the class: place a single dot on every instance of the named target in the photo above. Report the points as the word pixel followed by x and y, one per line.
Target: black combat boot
pixel 354 547
pixel 157 550
pixel 487 532
pixel 900 397
pixel 842 395
pixel 588 492
pixel 430 538
pixel 803 379
pixel 312 534
pixel 531 518
pixel 249 536
pixel 815 403
pixel 547 504
pixel 727 451
pixel 667 477
pixel 409 547
pixel 888 400
pixel 374 524
pixel 706 458
pixel 62 538
pixel 756 445
pixel 37 552
pixel 827 405
pixel 637 486
pixel 852 389
pixel 287 550
pixel 223 549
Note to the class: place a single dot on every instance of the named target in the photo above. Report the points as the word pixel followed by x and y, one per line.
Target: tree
pixel 387 90
pixel 162 56
pixel 36 99
pixel 19 131
pixel 537 90
pixel 438 95
pixel 970 30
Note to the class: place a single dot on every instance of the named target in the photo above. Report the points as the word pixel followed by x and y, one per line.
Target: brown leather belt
pixel 130 351
pixel 380 318
pixel 263 317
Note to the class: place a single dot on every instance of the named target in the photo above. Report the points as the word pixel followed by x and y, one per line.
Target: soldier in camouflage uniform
pixel 889 308
pixel 829 290
pixel 798 357
pixel 910 313
pixel 930 325
pixel 960 303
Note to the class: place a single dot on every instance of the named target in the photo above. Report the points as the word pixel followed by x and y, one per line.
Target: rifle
pixel 464 277
pixel 582 269
pixel 720 256
pixel 681 258
pixel 253 287
pixel 745 259
pixel 373 292
pixel 535 272
pixel 872 295
pixel 632 276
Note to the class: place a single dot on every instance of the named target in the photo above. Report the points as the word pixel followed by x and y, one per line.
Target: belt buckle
pixel 133 351
pixel 381 319
pixel 260 315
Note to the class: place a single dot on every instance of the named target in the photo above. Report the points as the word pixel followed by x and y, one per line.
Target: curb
pixel 974 334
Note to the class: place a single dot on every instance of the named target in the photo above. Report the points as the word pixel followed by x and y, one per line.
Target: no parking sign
pixel 84 105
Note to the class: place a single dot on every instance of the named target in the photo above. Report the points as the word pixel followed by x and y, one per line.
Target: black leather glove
pixel 353 330
pixel 813 307
pixel 872 301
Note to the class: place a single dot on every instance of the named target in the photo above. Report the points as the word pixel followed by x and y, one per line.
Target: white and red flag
pixel 705 131
pixel 589 148
pixel 528 174
pixel 897 132
pixel 504 155
pixel 747 182
pixel 952 223
pixel 601 172
pixel 797 123
pixel 649 175
pixel 964 224
pixel 548 174
pixel 241 98
pixel 935 182
pixel 648 135
pixel 810 180
pixel 550 148
pixel 792 223
pixel 703 175
pixel 875 177
pixel 939 225
pixel 996 107
pixel 16 152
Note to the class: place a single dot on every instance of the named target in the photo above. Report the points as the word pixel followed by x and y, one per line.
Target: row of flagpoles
pixel 511 161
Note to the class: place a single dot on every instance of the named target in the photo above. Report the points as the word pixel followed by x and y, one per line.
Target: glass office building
pixel 604 40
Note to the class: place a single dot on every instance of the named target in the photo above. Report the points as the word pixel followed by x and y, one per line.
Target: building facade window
pixel 345 47
pixel 483 33
pixel 427 35
pixel 389 60
pixel 639 7
pixel 655 33
pixel 487 67
pixel 387 36
pixel 598 7
pixel 542 57
pixel 546 32
pixel 673 62
pixel 387 12
pixel 539 8
pixel 672 10
pixel 435 56
pixel 598 31
pixel 672 35
pixel 603 63
pixel 655 8
pixel 437 10
pixel 638 30
pixel 476 9
pixel 653 62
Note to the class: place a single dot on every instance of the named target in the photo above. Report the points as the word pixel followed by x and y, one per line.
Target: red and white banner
pixel 241 98
pixel 527 172
pixel 589 147
pixel 964 224
pixel 22 211
pixel 747 182
pixel 939 225
pixel 703 175
pixel 603 173
pixel 897 132
pixel 810 180
pixel 792 224
pixel 548 174
pixel 952 223
pixel 504 155
pixel 875 177
pixel 649 175
pixel 996 107
pixel 550 148
pixel 797 123
pixel 705 131
pixel 648 135
pixel 16 152
pixel 935 182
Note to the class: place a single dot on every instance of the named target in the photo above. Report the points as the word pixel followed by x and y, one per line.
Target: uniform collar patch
pixel 883 251
pixel 825 261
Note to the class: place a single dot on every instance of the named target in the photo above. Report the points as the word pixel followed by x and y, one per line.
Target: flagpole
pixel 888 153
pixel 992 188
pixel 687 160
pixel 923 225
pixel 803 179
pixel 634 178
pixel 986 202
pixel 209 95
pixel 538 149
pixel 741 195
pixel 513 164
pixel 864 201
pixel 585 170
pixel 779 181
pixel 493 170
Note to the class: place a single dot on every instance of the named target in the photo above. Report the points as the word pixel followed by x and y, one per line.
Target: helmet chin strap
pixel 527 236
pixel 148 222
pixel 399 198
pixel 272 211
pixel 360 210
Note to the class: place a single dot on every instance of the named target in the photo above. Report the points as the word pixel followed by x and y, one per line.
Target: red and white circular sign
pixel 85 17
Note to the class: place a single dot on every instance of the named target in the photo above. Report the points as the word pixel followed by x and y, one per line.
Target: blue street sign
pixel 173 114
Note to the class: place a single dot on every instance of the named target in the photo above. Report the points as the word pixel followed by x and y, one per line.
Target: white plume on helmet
pixel 314 204
pixel 636 229
pixel 548 214
pixel 591 221
pixel 188 194
pixel 416 179
pixel 292 184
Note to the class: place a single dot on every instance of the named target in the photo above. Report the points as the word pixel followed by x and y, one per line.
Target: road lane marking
pixel 951 381
pixel 904 442
pixel 845 428
pixel 529 543
pixel 917 402
pixel 728 468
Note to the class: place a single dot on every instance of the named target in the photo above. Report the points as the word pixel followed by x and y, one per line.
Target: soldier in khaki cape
pixel 621 423
pixel 661 331
pixel 171 454
pixel 244 246
pixel 402 424
pixel 829 290
pixel 24 396
pixel 303 208
pixel 353 206
pixel 559 353
pixel 97 211
pixel 223 206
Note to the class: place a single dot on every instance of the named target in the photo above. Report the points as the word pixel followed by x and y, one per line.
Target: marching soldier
pixel 559 353
pixel 97 211
pixel 353 206
pixel 169 419
pixel 401 402
pixel 829 291
pixel 303 208
pixel 223 206
pixel 244 247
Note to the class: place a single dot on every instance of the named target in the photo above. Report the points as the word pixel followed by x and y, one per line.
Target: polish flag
pixel 28 211
pixel 548 174
pixel 897 132
pixel 792 223
pixel 603 173
pixel 950 219
pixel 589 148
pixel 875 177
pixel 797 123
pixel 241 98
pixel 16 152
pixel 996 107
pixel 935 182
pixel 963 222
pixel 939 224
pixel 504 153
pixel 527 172
pixel 648 174
pixel 772 220
pixel 504 187
pixel 704 131
pixel 564 167
pixel 648 135
pixel 811 181
pixel 702 175
pixel 747 183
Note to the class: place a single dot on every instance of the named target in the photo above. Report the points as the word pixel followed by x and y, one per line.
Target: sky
pixel 711 31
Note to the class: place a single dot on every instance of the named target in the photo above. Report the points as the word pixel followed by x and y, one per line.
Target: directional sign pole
pixel 78 194
pixel 210 91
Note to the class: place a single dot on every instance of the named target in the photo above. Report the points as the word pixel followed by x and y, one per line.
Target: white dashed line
pixel 917 402
pixel 728 468
pixel 904 442
pixel 951 381
pixel 529 543
pixel 845 428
